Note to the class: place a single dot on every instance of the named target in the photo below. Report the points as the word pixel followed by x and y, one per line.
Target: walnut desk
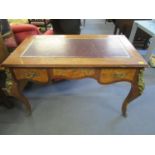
pixel 106 58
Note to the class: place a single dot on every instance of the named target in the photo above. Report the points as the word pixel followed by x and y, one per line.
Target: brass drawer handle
pixel 118 75
pixel 31 75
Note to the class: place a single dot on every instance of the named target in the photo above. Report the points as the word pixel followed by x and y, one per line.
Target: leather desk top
pixel 87 48
pixel 75 51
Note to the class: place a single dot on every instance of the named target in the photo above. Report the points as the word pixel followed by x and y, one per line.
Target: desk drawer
pixel 72 73
pixel 39 75
pixel 109 75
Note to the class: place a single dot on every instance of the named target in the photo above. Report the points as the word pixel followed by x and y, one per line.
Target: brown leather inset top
pixel 62 47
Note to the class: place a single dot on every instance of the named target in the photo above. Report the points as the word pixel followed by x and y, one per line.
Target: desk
pixel 147 26
pixel 106 58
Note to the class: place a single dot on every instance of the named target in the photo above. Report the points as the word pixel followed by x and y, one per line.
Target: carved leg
pixel 13 88
pixel 136 90
pixel 19 95
pixel 134 93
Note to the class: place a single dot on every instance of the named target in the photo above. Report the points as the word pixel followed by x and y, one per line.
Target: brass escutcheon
pixel 118 75
pixel 31 75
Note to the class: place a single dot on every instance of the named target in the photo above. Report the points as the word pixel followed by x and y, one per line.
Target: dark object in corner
pixel 5 100
pixel 66 26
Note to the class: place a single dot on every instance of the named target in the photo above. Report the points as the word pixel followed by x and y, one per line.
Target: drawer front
pixel 73 73
pixel 39 75
pixel 111 75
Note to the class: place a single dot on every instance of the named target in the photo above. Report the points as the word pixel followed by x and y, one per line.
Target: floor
pixel 83 106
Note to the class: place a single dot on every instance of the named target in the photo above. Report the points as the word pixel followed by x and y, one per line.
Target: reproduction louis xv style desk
pixel 106 58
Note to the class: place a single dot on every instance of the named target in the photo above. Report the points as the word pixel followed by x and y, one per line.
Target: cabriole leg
pixel 13 89
pixel 137 87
